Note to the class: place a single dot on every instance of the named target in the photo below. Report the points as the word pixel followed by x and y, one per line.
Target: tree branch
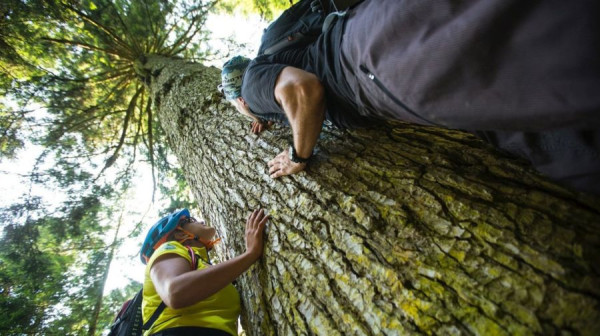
pixel 183 36
pixel 136 45
pixel 150 22
pixel 82 45
pixel 151 145
pixel 97 24
pixel 130 110
pixel 100 77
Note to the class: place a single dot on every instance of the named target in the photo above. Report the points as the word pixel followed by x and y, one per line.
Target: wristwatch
pixel 295 158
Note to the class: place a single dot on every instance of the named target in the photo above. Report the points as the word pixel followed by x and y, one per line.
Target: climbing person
pixel 296 28
pixel 193 297
pixel 527 70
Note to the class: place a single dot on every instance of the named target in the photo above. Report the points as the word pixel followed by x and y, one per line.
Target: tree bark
pixel 397 230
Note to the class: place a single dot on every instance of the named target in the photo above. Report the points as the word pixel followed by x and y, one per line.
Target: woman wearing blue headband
pixel 185 296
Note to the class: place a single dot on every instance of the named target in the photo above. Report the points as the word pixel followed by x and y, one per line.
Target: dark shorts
pixel 571 157
pixel 525 75
pixel 478 64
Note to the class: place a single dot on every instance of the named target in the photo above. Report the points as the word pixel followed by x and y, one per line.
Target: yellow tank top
pixel 219 311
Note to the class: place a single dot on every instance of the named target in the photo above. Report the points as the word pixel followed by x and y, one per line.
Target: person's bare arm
pixel 301 95
pixel 179 287
pixel 257 125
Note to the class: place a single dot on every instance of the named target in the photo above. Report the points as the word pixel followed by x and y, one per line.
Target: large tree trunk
pixel 392 231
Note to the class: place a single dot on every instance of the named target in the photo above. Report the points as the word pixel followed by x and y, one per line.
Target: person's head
pixel 177 226
pixel 231 84
pixel 232 75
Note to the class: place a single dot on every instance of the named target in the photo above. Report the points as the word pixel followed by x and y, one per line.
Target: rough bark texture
pixel 392 231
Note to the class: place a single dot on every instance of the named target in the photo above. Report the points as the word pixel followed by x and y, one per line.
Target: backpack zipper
pixel 390 95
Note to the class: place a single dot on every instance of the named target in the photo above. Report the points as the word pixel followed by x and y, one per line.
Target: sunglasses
pixel 187 220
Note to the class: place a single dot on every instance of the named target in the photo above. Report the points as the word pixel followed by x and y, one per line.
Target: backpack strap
pixel 162 305
pixel 154 316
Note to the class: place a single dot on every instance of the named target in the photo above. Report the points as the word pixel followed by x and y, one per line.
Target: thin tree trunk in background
pixel 92 328
pixel 403 230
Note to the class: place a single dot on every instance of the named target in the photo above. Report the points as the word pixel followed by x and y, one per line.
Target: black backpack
pixel 129 322
pixel 296 27
pixel 299 25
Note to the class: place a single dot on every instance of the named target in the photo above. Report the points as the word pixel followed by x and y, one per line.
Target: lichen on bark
pixel 397 230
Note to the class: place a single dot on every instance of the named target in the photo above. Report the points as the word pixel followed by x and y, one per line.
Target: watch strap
pixel 295 158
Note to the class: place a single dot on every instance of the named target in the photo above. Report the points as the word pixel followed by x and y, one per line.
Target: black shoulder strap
pixel 154 316
pixel 162 305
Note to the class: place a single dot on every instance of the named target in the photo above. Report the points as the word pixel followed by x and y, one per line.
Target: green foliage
pixel 267 9
pixel 20 22
pixel 39 251
pixel 79 58
pixel 10 137
pixel 69 84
